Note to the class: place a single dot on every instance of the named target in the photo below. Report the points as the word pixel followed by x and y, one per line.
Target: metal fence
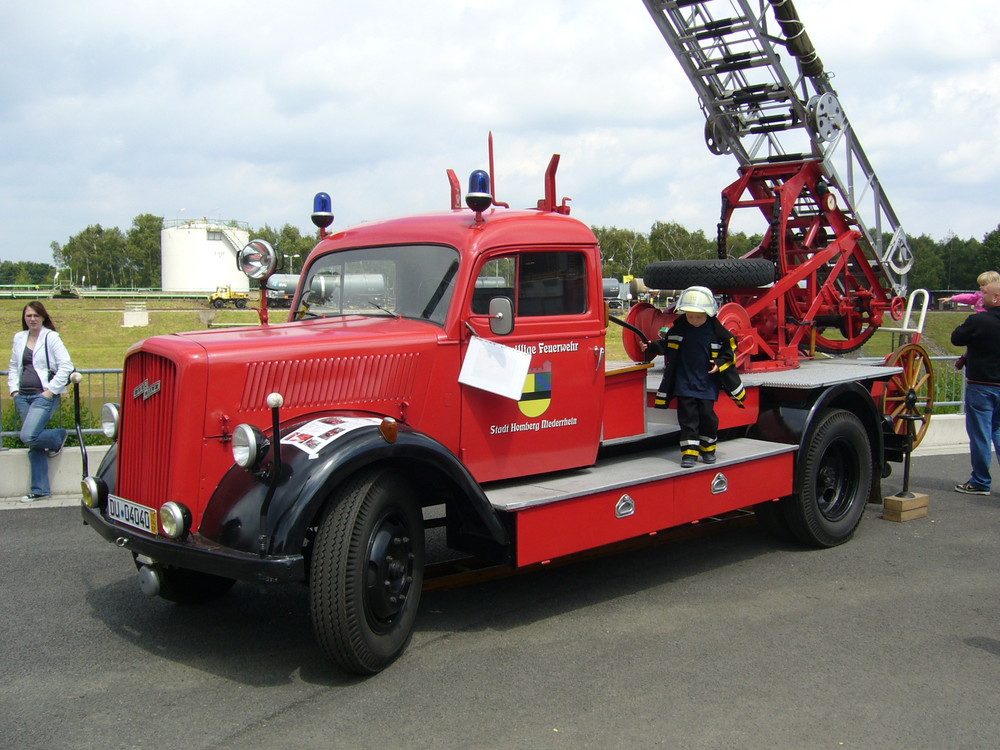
pixel 103 385
pixel 97 388
pixel 949 384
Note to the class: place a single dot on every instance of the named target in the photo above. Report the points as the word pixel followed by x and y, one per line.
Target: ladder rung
pixel 761 92
pixel 771 128
pixel 740 62
pixel 786 119
pixel 718 29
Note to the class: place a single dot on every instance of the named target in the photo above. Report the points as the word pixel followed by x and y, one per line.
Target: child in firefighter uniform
pixel 699 360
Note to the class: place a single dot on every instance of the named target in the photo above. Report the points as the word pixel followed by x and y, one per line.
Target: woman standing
pixel 38 374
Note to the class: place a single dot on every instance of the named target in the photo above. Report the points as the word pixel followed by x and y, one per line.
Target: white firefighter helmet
pixel 697 299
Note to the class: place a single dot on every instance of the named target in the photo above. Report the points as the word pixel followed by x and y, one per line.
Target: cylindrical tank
pixel 200 255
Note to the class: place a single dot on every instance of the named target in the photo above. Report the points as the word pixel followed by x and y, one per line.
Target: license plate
pixel 132 514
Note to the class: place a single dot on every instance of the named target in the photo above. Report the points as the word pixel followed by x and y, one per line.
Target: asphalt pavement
pixel 729 640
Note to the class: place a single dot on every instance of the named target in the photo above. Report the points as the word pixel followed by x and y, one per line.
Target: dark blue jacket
pixel 723 355
pixel 981 334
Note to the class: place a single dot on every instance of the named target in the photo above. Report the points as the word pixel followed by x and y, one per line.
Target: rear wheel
pixel 833 477
pixel 367 572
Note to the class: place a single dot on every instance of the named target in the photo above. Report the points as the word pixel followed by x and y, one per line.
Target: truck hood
pixel 359 363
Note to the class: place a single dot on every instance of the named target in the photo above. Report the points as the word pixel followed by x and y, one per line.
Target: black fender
pixel 788 419
pixel 232 517
pixel 107 472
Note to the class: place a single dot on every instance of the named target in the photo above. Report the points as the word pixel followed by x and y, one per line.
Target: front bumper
pixel 198 553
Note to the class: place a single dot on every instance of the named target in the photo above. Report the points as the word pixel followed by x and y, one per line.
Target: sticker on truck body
pixel 312 437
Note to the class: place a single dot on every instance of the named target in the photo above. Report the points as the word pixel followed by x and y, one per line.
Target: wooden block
pixel 897 508
pixel 897 503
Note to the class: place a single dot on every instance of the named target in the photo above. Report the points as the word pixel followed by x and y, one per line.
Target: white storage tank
pixel 199 255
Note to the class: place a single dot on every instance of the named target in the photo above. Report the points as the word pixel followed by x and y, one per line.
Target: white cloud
pixel 110 109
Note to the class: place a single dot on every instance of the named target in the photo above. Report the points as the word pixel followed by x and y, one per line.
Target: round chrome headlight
pixel 258 259
pixel 95 492
pixel 249 446
pixel 110 419
pixel 175 519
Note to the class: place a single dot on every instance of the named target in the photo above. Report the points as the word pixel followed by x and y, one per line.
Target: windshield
pixel 410 281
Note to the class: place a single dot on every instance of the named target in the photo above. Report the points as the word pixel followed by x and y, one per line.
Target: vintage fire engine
pixel 452 366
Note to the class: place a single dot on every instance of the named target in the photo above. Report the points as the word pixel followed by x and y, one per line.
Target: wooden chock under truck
pixel 471 384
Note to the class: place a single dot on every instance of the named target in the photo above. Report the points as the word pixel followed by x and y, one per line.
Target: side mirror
pixel 501 316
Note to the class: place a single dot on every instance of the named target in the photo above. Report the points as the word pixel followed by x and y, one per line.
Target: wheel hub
pixel 390 571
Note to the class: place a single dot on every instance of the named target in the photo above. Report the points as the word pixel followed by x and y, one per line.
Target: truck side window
pixel 552 283
pixel 496 279
pixel 546 283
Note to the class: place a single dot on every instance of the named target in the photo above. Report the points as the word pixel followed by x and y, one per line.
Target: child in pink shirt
pixel 975 298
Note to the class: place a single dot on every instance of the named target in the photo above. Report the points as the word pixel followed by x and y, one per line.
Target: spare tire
pixel 715 273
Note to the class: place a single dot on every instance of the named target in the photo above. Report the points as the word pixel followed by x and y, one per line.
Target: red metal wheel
pixel 648 319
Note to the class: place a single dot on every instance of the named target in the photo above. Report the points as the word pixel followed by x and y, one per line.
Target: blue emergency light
pixel 322 215
pixel 479 197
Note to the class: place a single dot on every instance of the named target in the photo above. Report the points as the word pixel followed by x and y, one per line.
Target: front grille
pixel 146 430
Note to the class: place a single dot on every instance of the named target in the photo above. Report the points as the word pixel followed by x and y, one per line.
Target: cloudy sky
pixel 243 110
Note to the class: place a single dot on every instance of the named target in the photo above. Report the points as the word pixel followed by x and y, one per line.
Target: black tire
pixel 367 572
pixel 218 304
pixel 241 304
pixel 183 586
pixel 715 273
pixel 833 476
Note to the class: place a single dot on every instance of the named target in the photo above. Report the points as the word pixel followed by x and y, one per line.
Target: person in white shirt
pixel 38 374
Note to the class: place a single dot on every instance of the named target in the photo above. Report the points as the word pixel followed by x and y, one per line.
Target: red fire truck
pixel 456 362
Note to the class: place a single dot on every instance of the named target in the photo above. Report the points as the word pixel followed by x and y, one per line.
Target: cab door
pixel 558 320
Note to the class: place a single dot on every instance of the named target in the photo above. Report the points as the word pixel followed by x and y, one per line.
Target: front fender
pixel 232 517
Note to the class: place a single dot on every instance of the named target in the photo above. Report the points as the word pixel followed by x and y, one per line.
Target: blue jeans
pixel 35 412
pixel 982 422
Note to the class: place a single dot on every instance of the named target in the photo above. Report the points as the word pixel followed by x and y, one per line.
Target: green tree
pixel 671 241
pixel 95 256
pixel 990 253
pixel 623 251
pixel 288 241
pixel 740 243
pixel 929 270
pixel 26 272
pixel 143 251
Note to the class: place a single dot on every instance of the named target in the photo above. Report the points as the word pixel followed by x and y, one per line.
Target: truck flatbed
pixel 811 373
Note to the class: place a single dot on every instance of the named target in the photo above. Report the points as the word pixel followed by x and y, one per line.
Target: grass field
pixel 96 338
pixel 93 330
pixel 94 333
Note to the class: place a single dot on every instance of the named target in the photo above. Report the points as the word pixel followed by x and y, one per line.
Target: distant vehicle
pixel 281 289
pixel 225 294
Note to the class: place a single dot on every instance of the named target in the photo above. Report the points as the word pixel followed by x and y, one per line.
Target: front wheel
pixel 367 572
pixel 833 479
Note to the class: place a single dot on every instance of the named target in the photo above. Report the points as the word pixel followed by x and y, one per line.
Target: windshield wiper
pixel 373 303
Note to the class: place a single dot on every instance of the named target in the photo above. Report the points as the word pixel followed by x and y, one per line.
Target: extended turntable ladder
pixel 767 100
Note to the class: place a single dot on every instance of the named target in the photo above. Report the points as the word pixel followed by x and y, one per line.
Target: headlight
pixel 95 492
pixel 258 259
pixel 175 519
pixel 249 446
pixel 110 419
